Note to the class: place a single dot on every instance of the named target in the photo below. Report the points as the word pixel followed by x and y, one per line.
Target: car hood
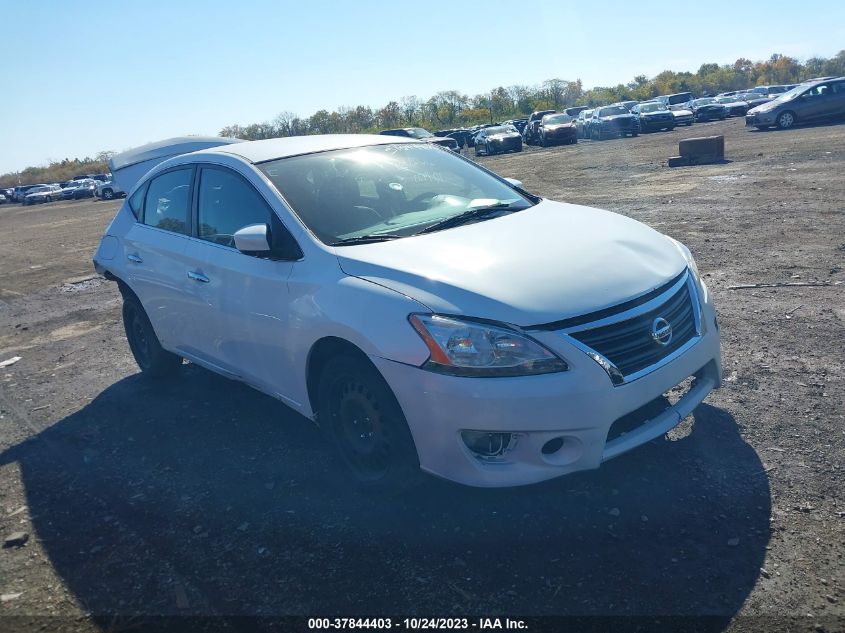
pixel 660 113
pixel 549 262
pixel 559 126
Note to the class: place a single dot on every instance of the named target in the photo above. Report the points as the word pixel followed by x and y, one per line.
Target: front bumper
pixel 760 119
pixel 651 123
pixel 578 405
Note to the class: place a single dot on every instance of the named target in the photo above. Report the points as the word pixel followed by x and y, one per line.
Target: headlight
pixel 473 348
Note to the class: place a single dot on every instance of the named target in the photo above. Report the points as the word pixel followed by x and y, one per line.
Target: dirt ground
pixel 204 497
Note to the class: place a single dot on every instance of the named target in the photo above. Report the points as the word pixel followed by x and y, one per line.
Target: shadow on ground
pixel 205 497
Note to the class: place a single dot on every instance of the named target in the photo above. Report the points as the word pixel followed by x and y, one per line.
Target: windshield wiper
pixel 366 239
pixel 469 215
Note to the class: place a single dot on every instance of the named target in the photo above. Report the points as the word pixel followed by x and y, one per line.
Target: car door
pixel 814 103
pixel 155 252
pixel 241 300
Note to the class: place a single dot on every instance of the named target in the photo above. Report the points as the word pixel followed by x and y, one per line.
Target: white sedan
pixel 428 313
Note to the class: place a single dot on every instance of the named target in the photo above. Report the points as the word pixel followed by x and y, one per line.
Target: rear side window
pixel 227 203
pixel 168 200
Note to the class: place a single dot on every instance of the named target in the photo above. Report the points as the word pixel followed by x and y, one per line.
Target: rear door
pixel 155 252
pixel 837 104
pixel 240 300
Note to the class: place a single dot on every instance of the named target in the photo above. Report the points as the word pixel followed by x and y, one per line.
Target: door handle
pixel 198 277
pixel 132 257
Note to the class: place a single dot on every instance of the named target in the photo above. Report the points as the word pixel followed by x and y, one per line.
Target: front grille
pixel 629 344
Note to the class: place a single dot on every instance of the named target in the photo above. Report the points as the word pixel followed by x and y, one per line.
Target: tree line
pixel 451 108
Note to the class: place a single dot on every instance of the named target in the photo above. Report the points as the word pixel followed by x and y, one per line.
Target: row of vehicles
pixel 89 186
pixel 625 118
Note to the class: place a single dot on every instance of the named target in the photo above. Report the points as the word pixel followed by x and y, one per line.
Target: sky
pixel 114 75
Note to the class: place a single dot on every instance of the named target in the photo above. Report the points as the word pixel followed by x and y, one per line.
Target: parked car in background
pixel 677 101
pixel 653 116
pixel 20 192
pixel 708 109
pixel 467 329
pixel 462 136
pixel 818 101
pixel 69 187
pixel 42 193
pixel 613 121
pixel 582 123
pixel 108 190
pixel 557 128
pixel 497 140
pixel 423 135
pixel 3 198
pixel 734 106
pixel 85 189
pixel 529 134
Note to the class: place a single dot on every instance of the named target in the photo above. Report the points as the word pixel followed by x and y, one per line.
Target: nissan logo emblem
pixel 661 331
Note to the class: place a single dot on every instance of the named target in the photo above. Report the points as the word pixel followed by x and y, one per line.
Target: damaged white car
pixel 430 314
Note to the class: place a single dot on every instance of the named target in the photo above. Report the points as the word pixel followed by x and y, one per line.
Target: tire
pixel 786 120
pixel 49 198
pixel 543 141
pixel 487 149
pixel 151 357
pixel 359 411
pixel 107 194
pixel 477 153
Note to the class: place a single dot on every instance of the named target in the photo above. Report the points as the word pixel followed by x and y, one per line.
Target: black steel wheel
pixel 358 409
pixel 151 357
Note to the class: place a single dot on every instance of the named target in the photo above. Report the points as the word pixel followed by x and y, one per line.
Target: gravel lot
pixel 205 497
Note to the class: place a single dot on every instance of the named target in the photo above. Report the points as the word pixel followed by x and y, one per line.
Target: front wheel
pixel 151 357
pixel 786 120
pixel 108 194
pixel 358 409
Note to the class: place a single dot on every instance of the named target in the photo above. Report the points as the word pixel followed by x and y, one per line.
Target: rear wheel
pixel 151 357
pixel 108 194
pixel 367 425
pixel 786 120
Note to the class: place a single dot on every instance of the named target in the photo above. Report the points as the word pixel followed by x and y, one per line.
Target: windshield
pixel 727 99
pixel 393 190
pixel 652 107
pixel 612 111
pixel 704 101
pixel 791 94
pixel 38 189
pixel 557 119
pixel 418 132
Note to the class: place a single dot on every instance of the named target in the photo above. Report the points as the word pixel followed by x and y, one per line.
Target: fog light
pixel 486 444
pixel 552 446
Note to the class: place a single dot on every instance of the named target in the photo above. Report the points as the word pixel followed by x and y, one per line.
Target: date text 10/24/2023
pixel 419 623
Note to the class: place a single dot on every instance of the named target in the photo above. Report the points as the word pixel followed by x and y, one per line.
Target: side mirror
pixel 252 239
pixel 514 182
